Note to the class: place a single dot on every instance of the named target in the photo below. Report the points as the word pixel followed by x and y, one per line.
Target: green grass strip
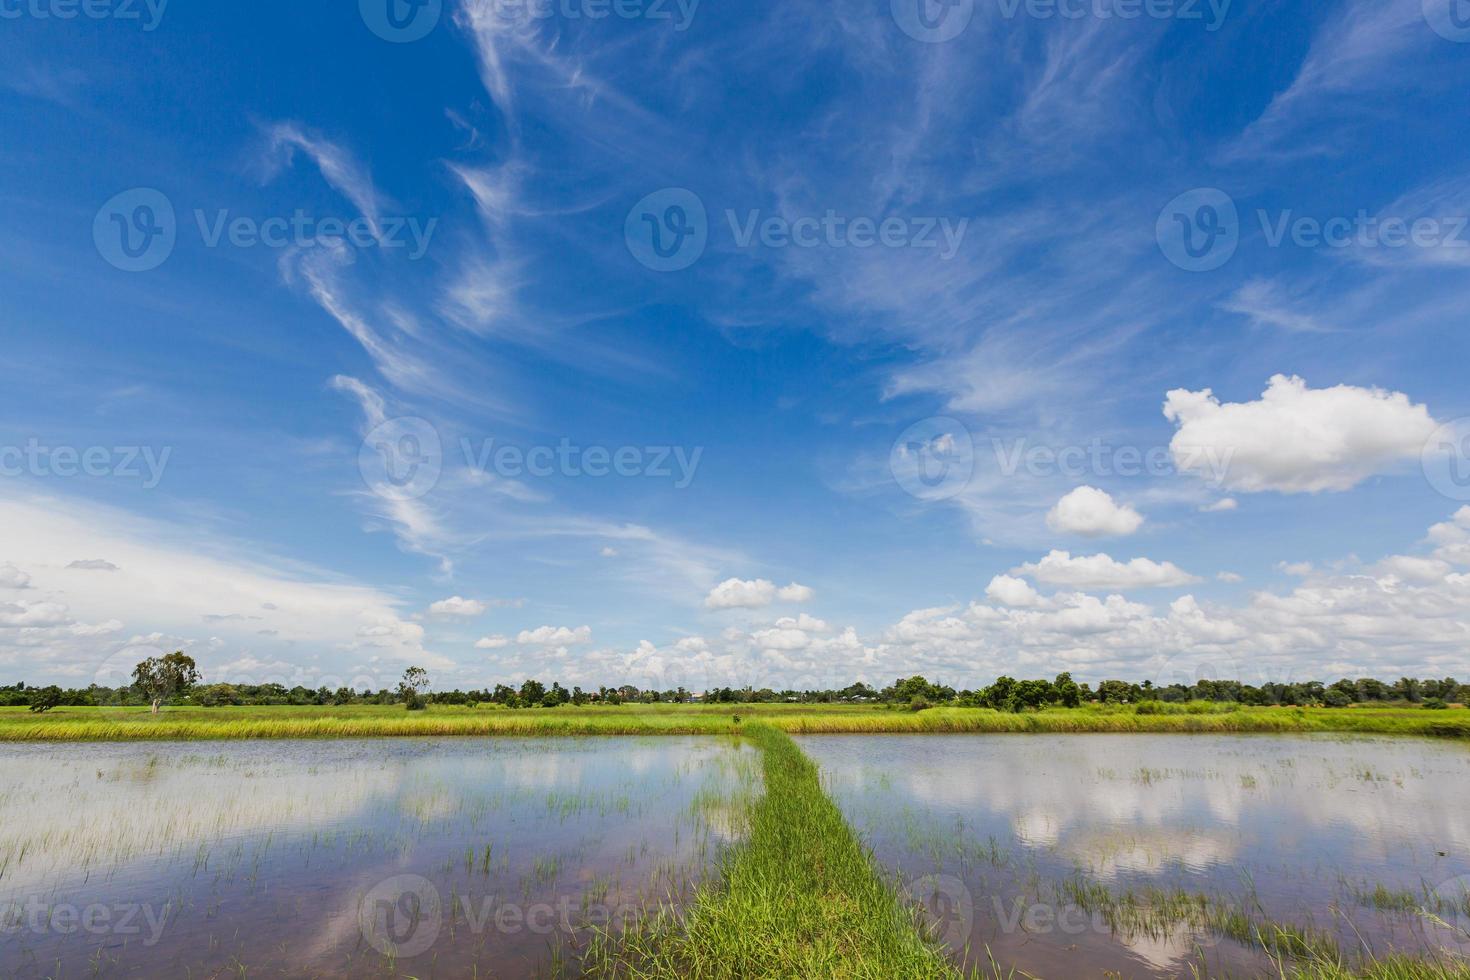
pixel 365 721
pixel 800 898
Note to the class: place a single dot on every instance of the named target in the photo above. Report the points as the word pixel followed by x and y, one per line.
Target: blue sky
pixel 830 288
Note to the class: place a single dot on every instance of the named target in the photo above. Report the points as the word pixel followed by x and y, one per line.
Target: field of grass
pixel 354 721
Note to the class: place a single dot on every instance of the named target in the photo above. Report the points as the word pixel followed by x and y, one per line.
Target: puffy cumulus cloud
pixel 803 622
pixel 796 593
pixel 789 633
pixel 491 642
pixel 1296 439
pixel 1101 572
pixel 782 639
pixel 219 598
pixel 1451 538
pixel 457 606
pixel 1009 591
pixel 554 636
pixel 1410 568
pixel 1387 619
pixel 13 578
pixel 33 614
pixel 735 593
pixel 1399 616
pixel 1093 513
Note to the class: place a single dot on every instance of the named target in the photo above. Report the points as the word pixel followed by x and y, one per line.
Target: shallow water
pixel 997 835
pixel 419 857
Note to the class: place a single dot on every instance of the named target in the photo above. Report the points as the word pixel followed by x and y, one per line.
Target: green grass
pixel 799 898
pixel 125 724
pixel 1387 968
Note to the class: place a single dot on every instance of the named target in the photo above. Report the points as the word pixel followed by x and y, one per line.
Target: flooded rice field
pixel 421 857
pixel 1164 855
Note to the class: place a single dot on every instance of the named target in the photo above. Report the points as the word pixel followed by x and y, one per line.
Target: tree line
pixel 175 679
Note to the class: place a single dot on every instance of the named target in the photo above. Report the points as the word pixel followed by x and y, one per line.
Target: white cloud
pixel 1093 513
pixel 781 639
pixel 1366 622
pixel 1230 577
pixel 609 552
pixel 338 167
pixel 795 593
pixel 457 606
pixel 491 642
pixel 554 636
pixel 1097 572
pixel 1360 48
pixel 13 578
pixel 1010 591
pixel 1452 538
pixel 803 622
pixel 33 614
pixel 1270 304
pixel 94 565
pixel 1411 568
pixel 1221 506
pixel 734 593
pixel 166 579
pixel 1296 439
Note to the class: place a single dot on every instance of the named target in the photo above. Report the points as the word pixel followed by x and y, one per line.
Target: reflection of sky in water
pixel 1201 801
pixel 1295 820
pixel 274 843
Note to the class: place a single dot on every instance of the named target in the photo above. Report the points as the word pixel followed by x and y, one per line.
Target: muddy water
pixel 466 857
pixel 1003 836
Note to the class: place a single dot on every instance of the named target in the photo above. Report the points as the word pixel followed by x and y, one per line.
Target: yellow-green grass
pixel 799 897
pixel 350 721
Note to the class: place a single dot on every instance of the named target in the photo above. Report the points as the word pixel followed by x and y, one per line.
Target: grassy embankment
pixel 353 721
pixel 799 898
